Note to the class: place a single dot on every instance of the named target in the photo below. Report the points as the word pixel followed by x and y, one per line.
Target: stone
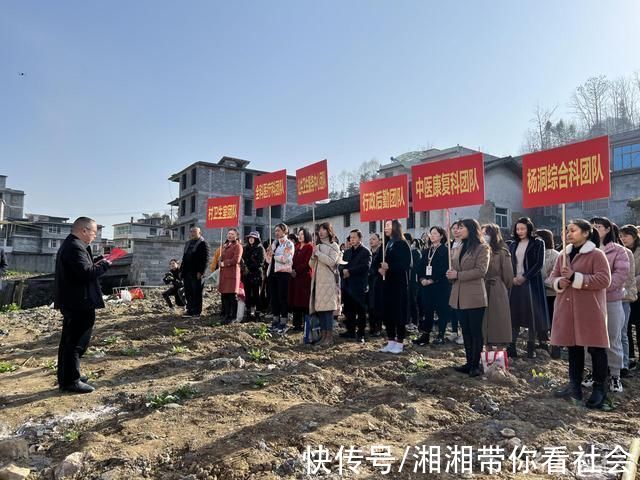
pixel 70 466
pixel 14 449
pixel 514 442
pixel 172 406
pixel 238 362
pixel 220 362
pixel 13 472
pixel 508 432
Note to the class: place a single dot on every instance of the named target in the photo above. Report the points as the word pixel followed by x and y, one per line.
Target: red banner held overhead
pixel 384 199
pixel 223 212
pixel 571 173
pixel 454 182
pixel 271 189
pixel 312 183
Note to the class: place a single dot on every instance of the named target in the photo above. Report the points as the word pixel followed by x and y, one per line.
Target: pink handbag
pixel 499 357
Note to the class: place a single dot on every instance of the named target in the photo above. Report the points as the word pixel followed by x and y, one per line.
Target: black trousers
pixel 193 292
pixel 252 293
pixel 471 321
pixel 395 317
pixel 634 320
pixel 355 313
pixel 77 326
pixel 599 363
pixel 280 293
pixel 413 303
pixel 176 293
pixel 433 300
pixel 229 306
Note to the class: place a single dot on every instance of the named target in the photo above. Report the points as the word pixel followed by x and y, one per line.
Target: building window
pixel 551 211
pixel 627 156
pixel 260 230
pixel 193 176
pixel 247 230
pixel 153 232
pixel 259 212
pixel 183 208
pixel 122 230
pixel 424 219
pixel 54 228
pixel 193 204
pixel 276 211
pixel 184 181
pixel 372 227
pixel 248 207
pixel 347 219
pixel 182 233
pixel 54 243
pixel 248 181
pixel 596 205
pixel 502 217
pixel 411 221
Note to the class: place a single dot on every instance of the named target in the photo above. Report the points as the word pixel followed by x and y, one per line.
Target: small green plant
pixel 12 307
pixel 130 351
pixel 7 367
pixel 540 375
pixel 262 333
pixel 214 323
pixel 609 405
pixel 111 340
pixel 71 435
pixel 93 375
pixel 96 352
pixel 179 349
pixel 260 383
pixel 418 364
pixel 258 355
pixel 186 391
pixel 50 364
pixel 179 332
pixel 160 400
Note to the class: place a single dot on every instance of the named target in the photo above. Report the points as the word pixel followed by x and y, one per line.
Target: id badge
pixel 429 271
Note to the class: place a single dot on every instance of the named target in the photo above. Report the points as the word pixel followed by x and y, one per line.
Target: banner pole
pixel 384 225
pixel 448 213
pixel 563 234
pixel 270 239
pixel 313 221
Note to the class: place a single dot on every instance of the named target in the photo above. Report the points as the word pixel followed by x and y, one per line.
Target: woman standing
pixel 435 288
pixel 456 243
pixel 496 324
pixel 469 295
pixel 230 275
pixel 324 294
pixel 619 265
pixel 631 240
pixel 375 296
pixel 300 281
pixel 278 275
pixel 550 257
pixel 395 285
pixel 580 314
pixel 253 257
pixel 528 300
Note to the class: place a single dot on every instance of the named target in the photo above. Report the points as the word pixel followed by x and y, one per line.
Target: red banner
pixel 270 189
pixel 384 199
pixel 223 212
pixel 454 182
pixel 312 183
pixel 571 173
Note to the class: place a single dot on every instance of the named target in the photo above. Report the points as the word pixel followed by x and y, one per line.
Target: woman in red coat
pixel 300 283
pixel 580 312
pixel 230 275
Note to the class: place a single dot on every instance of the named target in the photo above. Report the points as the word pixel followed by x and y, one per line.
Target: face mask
pixel 487 238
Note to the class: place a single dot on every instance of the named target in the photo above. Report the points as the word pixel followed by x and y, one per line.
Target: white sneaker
pixel 388 347
pixel 411 327
pixel 459 340
pixel 397 348
pixel 588 380
pixel 615 385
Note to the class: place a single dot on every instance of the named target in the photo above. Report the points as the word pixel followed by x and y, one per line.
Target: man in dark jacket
pixel 194 263
pixel 77 295
pixel 174 278
pixel 355 279
pixel 3 266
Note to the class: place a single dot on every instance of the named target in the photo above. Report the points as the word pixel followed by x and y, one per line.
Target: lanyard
pixel 431 254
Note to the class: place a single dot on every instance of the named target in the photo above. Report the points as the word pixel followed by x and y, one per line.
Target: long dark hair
pixel 396 231
pixel 495 237
pixel 633 231
pixel 585 226
pixel 307 235
pixel 547 238
pixel 528 223
pixel 329 228
pixel 606 223
pixel 475 235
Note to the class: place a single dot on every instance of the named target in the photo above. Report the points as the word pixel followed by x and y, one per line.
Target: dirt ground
pixel 239 416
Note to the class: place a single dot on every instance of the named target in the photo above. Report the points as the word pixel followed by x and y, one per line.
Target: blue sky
pixel 118 95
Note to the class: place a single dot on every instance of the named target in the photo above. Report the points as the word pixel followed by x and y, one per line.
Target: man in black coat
pixel 355 280
pixel 174 278
pixel 3 265
pixel 194 263
pixel 77 295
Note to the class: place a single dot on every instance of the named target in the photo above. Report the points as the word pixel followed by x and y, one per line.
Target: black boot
pixel 556 352
pixel 422 340
pixel 531 350
pixel 512 351
pixel 571 390
pixel 598 396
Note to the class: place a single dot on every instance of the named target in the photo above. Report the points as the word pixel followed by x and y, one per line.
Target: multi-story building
pixel 11 206
pixel 148 227
pixel 230 176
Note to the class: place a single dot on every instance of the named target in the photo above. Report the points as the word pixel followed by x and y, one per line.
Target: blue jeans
pixel 326 321
pixel 626 306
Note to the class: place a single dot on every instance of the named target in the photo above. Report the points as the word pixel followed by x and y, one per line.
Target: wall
pixel 31 262
pixel 151 258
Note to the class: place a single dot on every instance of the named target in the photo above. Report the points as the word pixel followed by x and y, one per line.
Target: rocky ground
pixel 184 399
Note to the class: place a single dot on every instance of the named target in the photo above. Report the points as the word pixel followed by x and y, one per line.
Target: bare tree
pixel 589 103
pixel 623 104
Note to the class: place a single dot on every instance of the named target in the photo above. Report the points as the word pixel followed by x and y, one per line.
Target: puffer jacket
pixel 619 265
pixel 630 286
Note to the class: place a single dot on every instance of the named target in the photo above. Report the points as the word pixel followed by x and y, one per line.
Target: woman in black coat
pixel 395 285
pixel 434 286
pixel 375 302
pixel 253 259
pixel 528 297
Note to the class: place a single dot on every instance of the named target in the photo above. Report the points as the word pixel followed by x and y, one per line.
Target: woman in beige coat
pixel 324 295
pixel 496 325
